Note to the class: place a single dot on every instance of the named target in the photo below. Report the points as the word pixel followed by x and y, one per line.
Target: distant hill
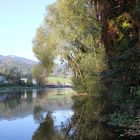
pixel 23 64
pixel 62 70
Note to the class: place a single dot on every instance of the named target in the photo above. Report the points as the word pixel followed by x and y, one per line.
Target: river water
pixel 24 115
pixel 21 112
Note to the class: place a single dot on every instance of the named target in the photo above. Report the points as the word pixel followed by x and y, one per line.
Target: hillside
pixel 24 65
pixel 61 70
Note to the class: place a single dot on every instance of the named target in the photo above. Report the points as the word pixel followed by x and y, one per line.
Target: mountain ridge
pixel 17 58
pixel 12 61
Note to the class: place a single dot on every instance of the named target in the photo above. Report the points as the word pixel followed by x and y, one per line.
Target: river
pixel 21 112
pixel 24 115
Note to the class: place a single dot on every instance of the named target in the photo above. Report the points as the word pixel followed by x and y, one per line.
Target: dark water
pixel 22 112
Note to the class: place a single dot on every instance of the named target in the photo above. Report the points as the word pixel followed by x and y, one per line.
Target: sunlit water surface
pixel 21 112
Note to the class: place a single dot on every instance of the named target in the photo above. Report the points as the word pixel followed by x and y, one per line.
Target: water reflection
pixel 46 130
pixel 27 109
pixel 40 113
pixel 23 103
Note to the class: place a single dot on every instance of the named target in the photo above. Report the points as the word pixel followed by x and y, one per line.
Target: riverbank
pixel 59 86
pixel 8 88
pixel 18 88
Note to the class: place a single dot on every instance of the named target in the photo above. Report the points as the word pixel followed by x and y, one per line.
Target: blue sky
pixel 19 20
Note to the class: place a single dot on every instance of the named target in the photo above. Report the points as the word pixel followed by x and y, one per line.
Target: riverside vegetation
pixel 100 40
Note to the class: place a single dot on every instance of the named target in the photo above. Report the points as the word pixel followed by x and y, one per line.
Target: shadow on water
pixel 47 131
pixel 94 130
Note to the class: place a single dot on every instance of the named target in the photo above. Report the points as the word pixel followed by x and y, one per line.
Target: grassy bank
pixel 51 80
pixel 55 80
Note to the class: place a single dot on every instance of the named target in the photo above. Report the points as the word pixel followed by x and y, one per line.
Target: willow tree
pixel 70 30
pixel 77 35
pixel 80 32
pixel 45 43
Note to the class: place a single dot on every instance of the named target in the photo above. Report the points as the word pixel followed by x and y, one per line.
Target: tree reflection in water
pixel 26 109
pixel 38 114
pixel 85 128
pixel 46 130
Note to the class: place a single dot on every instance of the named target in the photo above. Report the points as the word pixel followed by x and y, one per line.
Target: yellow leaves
pixel 126 24
pixel 125 21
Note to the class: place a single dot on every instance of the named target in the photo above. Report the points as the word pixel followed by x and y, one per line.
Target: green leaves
pixel 70 29
pixel 40 73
